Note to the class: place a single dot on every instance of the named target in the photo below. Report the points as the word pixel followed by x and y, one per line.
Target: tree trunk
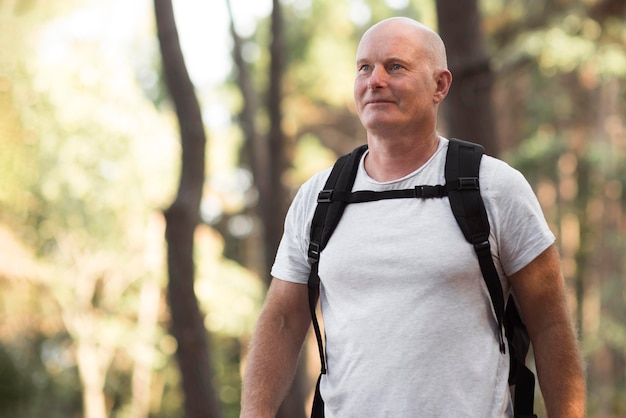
pixel 182 217
pixel 268 163
pixel 266 154
pixel 275 207
pixel 468 109
pixel 92 361
pixel 255 151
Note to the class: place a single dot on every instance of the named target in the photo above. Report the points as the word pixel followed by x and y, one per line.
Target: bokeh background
pixel 93 133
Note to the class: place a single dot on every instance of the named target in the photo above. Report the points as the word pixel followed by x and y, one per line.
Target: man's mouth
pixel 378 101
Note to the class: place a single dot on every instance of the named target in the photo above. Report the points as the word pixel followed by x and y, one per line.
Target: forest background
pixel 148 155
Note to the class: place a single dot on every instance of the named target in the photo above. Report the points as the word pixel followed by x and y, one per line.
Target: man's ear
pixel 444 81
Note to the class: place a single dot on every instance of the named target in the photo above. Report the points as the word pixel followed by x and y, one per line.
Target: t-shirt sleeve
pixel 517 220
pixel 291 263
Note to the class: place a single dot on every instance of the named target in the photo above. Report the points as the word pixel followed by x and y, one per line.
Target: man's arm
pixel 540 293
pixel 275 349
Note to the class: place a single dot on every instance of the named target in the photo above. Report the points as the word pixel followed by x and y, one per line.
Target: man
pixel 408 322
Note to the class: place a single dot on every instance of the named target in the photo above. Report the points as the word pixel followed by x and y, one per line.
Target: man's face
pixel 395 85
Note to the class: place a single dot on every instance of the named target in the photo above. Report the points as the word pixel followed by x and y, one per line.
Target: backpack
pixel 462 189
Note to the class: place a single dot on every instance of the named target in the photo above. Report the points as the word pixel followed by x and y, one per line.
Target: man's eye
pixel 364 67
pixel 395 67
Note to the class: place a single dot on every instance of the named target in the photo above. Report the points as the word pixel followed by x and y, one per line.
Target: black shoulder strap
pixel 462 167
pixel 519 375
pixel 462 176
pixel 325 219
pixel 329 211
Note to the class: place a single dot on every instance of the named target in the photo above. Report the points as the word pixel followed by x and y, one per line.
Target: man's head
pixel 401 77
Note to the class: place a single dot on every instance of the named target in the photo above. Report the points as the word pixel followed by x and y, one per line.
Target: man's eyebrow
pixel 385 60
pixel 396 59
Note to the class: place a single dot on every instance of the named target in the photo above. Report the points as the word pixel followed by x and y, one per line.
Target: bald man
pixel 408 321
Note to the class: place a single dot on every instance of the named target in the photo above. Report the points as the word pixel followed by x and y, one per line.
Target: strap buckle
pixel 325 196
pixel 429 192
pixel 314 252
pixel 481 245
pixel 468 183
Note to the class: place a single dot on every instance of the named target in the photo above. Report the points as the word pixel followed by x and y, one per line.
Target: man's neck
pixel 391 159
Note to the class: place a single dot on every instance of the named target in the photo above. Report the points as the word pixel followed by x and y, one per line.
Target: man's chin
pixel 379 123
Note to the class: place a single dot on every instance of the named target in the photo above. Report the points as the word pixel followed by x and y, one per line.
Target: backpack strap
pixel 325 218
pixel 462 178
pixel 519 375
pixel 462 167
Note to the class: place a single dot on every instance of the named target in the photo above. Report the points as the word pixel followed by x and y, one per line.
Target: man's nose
pixel 378 78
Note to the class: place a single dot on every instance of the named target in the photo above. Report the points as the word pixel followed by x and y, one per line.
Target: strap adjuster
pixel 481 243
pixel 314 252
pixel 325 196
pixel 429 192
pixel 468 183
pixel 482 246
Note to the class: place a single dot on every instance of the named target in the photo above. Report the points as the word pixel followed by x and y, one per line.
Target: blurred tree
pixel 468 106
pixel 74 199
pixel 86 159
pixel 275 196
pixel 561 88
pixel 182 217
pixel 54 222
pixel 267 156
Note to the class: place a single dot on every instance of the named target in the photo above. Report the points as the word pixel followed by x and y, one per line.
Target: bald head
pixel 412 31
pixel 401 78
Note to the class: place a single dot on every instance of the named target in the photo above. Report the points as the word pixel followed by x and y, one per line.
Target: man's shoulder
pixel 309 190
pixel 316 182
pixel 498 173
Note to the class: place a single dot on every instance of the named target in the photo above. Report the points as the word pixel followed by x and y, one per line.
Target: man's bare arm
pixel 540 292
pixel 275 349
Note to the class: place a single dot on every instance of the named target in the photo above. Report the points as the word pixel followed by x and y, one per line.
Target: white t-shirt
pixel 410 329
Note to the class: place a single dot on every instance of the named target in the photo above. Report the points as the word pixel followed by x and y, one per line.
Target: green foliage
pixel 310 157
pixel 228 377
pixel 537 157
pixel 30 382
pixel 14 388
pixel 89 163
pixel 230 295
